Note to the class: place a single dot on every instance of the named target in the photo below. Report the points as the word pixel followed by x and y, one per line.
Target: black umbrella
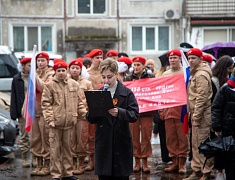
pixel 218 145
pixel 164 59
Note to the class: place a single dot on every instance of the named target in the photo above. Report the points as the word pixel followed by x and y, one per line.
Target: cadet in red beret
pixel 199 108
pixel 76 62
pixel 207 58
pixel 140 59
pixel 125 60
pixel 42 55
pixel 60 64
pixel 194 51
pixel 62 106
pixel 40 146
pixel 18 90
pixel 194 56
pixel 25 60
pixel 143 127
pixel 177 151
pixel 80 130
pixel 174 52
pixel 112 54
pixel 96 56
pixel 96 52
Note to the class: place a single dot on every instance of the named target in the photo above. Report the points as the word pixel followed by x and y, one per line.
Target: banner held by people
pixel 30 98
pixel 159 93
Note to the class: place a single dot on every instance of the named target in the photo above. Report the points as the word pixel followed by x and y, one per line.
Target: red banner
pixel 159 93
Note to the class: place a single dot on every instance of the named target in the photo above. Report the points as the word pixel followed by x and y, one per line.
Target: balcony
pixel 210 8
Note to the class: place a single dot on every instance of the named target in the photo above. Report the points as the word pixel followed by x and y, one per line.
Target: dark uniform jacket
pixel 17 96
pixel 223 111
pixel 113 140
pixel 144 75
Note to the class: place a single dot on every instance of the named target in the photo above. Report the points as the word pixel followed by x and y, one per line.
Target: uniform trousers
pixel 176 140
pixel 79 138
pixel 40 145
pixel 141 134
pixel 199 134
pixel 24 136
pixel 91 138
pixel 61 155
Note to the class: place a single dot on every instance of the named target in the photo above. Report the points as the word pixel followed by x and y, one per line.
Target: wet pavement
pixel 10 169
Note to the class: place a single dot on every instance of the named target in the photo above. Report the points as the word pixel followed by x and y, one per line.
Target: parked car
pixel 8 68
pixel 8 133
pixel 5 101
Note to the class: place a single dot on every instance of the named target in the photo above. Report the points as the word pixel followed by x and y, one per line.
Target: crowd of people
pixel 64 134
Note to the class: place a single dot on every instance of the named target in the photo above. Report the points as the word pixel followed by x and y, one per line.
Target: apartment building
pixel 209 21
pixel 74 27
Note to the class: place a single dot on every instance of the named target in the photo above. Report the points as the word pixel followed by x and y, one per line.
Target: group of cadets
pixel 73 137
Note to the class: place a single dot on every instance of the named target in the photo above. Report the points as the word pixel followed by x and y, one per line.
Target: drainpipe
pixel 65 27
pixel 118 23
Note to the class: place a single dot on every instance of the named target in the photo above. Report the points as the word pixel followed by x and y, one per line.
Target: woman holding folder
pixel 113 140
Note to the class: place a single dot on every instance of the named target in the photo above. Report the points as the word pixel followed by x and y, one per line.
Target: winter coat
pixel 40 81
pixel 113 139
pixel 223 111
pixel 17 96
pixel 145 74
pixel 61 103
pixel 84 85
pixel 199 95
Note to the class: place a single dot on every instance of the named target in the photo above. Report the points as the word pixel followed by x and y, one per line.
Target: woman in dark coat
pixel 223 121
pixel 113 140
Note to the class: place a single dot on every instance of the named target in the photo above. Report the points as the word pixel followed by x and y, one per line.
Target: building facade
pixel 74 27
pixel 209 21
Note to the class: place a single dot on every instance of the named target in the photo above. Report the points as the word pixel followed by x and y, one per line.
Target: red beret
pixel 60 64
pixel 125 60
pixel 87 55
pixel 112 53
pixel 76 62
pixel 174 52
pixel 80 59
pixel 42 55
pixel 194 51
pixel 96 52
pixel 25 60
pixel 207 58
pixel 57 60
pixel 139 59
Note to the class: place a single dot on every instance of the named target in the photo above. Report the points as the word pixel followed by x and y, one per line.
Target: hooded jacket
pixel 62 103
pixel 199 94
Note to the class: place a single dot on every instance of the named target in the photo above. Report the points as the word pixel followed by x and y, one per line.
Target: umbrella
pixel 164 59
pixel 218 145
pixel 220 48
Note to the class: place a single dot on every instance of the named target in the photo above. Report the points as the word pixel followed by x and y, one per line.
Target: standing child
pixel 62 105
pixel 79 137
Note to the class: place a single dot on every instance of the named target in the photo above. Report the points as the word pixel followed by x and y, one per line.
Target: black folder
pixel 99 102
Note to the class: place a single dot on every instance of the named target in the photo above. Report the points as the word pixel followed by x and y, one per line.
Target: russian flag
pixel 186 69
pixel 30 98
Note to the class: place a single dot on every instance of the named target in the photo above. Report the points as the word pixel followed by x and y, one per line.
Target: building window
pixel 222 34
pixel 24 38
pixel 91 6
pixel 149 38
